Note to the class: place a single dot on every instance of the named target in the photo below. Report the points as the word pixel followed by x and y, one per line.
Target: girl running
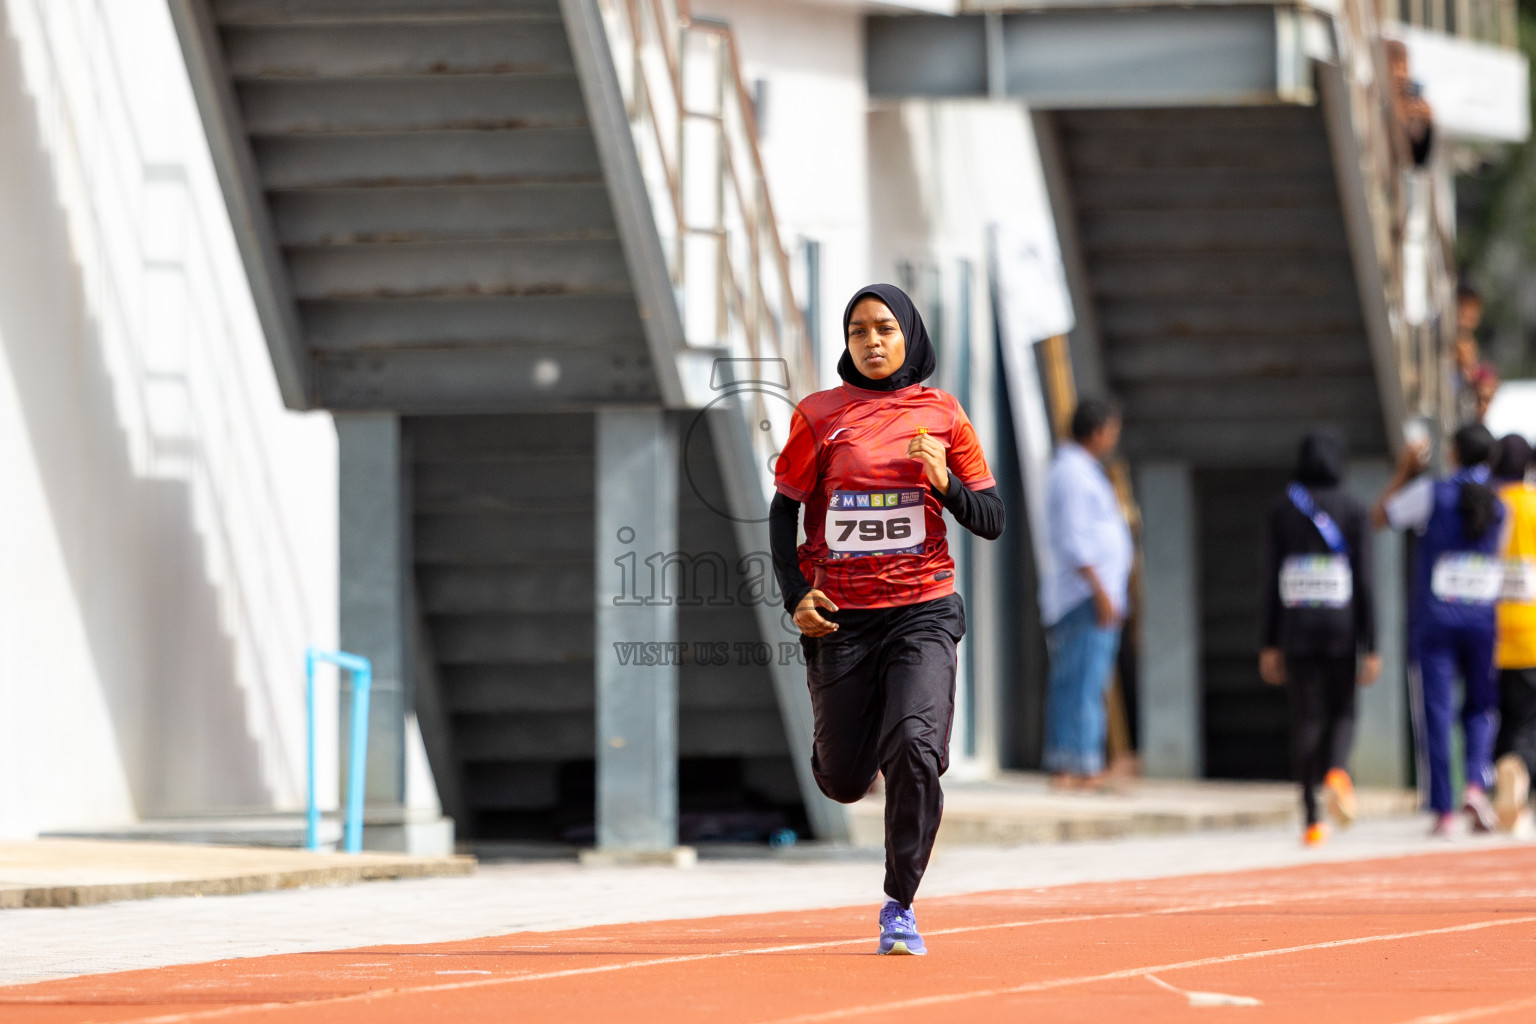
pixel 1319 617
pixel 1457 577
pixel 876 462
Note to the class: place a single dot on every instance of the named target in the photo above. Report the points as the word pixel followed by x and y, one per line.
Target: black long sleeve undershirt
pixel 783 532
pixel 981 512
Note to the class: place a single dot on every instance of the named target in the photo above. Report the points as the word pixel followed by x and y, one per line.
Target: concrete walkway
pixel 1011 810
pixel 76 872
pixel 553 895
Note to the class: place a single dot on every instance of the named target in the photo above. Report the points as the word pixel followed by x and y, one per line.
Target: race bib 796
pixel 875 523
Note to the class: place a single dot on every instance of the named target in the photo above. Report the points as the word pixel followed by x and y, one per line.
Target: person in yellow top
pixel 1515 655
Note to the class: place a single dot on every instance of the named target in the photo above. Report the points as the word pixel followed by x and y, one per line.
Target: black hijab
pixel 1512 456
pixel 1320 462
pixel 920 362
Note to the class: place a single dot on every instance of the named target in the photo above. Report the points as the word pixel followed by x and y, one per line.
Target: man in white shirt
pixel 1083 598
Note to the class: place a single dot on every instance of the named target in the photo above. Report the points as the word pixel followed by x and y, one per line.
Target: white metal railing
pixel 1412 222
pixel 696 135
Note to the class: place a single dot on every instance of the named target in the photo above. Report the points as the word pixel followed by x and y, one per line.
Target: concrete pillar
pixel 375 576
pixel 1169 634
pixel 637 483
pixel 1383 750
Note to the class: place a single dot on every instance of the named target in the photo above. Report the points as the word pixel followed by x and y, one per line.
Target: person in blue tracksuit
pixel 1453 625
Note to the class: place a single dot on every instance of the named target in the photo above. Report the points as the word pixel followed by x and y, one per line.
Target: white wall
pixel 813 137
pixel 167 546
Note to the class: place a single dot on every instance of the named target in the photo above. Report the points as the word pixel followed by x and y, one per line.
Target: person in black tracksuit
pixel 1319 624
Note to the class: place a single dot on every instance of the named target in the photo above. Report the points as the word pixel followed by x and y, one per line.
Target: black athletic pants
pixel 1517 715
pixel 883 693
pixel 1322 699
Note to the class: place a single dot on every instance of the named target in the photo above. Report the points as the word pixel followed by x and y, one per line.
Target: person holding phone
pixel 876 462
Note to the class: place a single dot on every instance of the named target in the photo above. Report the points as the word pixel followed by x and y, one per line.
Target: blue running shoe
pixel 898 931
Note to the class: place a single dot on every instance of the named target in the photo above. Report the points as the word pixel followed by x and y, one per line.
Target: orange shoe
pixel 1343 808
pixel 1315 835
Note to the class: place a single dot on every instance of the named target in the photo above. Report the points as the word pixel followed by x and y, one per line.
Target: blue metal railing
pixel 357 749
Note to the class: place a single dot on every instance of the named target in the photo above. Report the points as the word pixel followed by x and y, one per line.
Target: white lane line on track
pixel 573 972
pixel 1139 972
pixel 1476 1013
pixel 1195 998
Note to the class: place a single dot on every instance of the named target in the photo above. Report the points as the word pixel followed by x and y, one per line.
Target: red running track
pixel 1434 939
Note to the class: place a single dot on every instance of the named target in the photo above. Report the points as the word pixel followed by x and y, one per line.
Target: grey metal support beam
pixel 1383 750
pixel 743 486
pixel 1169 623
pixel 375 575
pixel 637 710
pixel 244 194
pixel 1125 57
pixel 627 191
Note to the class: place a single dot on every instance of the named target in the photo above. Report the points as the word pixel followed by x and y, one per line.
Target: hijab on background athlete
pixel 1452 623
pixel 1319 622
pixel 876 463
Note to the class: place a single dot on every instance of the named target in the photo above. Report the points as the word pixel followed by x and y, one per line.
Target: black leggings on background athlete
pixel 1322 698
pixel 1517 715
pixel 883 693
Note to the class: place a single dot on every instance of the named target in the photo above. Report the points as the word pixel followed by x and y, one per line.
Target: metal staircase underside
pixel 1221 282
pixel 505 584
pixel 446 214
pixel 1230 213
pixel 423 209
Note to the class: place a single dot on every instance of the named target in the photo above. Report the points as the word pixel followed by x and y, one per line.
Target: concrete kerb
pixel 73 873
pixel 1018 810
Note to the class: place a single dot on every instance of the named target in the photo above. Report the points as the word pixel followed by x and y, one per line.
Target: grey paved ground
pixel 51 943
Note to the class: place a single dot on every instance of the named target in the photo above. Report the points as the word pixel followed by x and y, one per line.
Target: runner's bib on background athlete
pixel 875 523
pixel 1467 579
pixel 1519 581
pixel 1316 581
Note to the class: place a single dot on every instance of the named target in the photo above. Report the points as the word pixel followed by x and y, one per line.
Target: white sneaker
pixel 1513 792
pixel 1479 810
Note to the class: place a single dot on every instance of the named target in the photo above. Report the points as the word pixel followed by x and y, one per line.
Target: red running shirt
pixel 874 528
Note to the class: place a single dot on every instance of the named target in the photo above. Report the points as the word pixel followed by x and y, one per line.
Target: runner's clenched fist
pixel 925 448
